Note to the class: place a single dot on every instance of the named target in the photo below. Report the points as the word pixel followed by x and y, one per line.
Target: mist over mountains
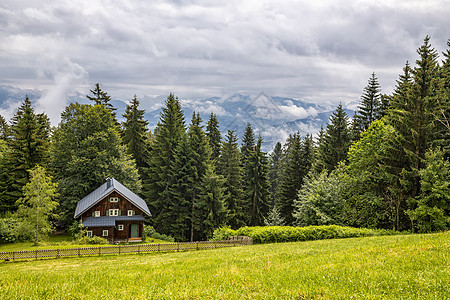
pixel 272 117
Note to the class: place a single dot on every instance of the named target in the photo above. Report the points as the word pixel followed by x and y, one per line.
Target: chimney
pixel 108 182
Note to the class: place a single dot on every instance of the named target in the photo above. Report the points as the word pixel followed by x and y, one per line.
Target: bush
pixel 150 232
pixel 279 234
pixel 94 240
pixel 13 230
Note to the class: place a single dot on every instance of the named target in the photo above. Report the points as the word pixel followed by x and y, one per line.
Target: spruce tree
pixel 229 166
pixel 29 145
pixel 210 209
pixel 275 172
pixel 213 134
pixel 167 135
pixel 134 135
pixel 100 97
pixel 4 129
pixel 248 142
pixel 257 188
pixel 370 105
pixel 247 147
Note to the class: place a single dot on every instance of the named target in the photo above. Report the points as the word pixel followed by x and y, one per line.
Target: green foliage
pixel 37 206
pixel 214 136
pixel 93 240
pixel 281 234
pixel 12 229
pixel 321 199
pixel 86 150
pixel 274 218
pixel 100 97
pixel 433 204
pixel 150 232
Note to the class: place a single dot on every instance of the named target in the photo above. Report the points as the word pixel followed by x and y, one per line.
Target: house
pixel 114 212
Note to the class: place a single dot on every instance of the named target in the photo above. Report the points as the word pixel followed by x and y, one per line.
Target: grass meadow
pixel 380 267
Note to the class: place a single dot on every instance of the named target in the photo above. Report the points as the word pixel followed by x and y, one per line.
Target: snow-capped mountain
pixel 274 118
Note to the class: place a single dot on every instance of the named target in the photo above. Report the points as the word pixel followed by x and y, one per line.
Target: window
pixel 120 227
pixel 114 212
pixel 97 213
pixel 114 199
pixel 105 233
pixel 130 212
pixel 89 233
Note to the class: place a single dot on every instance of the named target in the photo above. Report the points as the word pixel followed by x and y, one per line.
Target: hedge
pixel 280 234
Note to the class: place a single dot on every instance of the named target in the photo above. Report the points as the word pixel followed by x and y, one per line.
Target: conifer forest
pixel 387 166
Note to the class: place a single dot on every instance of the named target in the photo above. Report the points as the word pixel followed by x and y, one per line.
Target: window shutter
pixel 134 212
pixel 107 212
pixel 120 212
pixel 93 213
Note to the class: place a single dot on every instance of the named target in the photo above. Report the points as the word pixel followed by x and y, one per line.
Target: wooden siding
pixel 103 206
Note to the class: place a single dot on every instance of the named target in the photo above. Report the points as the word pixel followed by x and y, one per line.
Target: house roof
pixel 109 221
pixel 104 190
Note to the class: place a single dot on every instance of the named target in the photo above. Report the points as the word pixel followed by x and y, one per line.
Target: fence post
pixel 36 254
pixel 178 247
pixel 99 250
pixel 119 249
pixel 57 253
pixel 14 254
pixel 79 253
pixel 139 248
pixel 197 245
pixel 158 247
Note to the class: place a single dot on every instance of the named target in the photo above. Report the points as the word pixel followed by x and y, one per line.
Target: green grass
pixel 58 242
pixel 381 267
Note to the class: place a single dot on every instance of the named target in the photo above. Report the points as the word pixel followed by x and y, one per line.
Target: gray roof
pixel 110 221
pixel 104 190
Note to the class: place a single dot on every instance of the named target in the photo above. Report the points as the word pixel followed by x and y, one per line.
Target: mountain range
pixel 272 117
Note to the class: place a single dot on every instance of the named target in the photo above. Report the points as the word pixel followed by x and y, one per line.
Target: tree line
pixel 387 167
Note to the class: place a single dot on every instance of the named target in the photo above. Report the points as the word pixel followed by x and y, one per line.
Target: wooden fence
pixel 140 248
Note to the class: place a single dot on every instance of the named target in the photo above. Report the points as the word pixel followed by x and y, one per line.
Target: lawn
pixel 382 267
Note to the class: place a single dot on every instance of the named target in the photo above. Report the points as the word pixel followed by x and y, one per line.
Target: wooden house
pixel 113 212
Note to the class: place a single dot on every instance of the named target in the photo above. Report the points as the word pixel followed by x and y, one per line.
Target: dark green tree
pixel 370 106
pixel 135 135
pixel 248 142
pixel 275 172
pixel 229 166
pixel 86 150
pixel 167 135
pixel 214 137
pixel 257 188
pixel 100 97
pixel 4 129
pixel 210 207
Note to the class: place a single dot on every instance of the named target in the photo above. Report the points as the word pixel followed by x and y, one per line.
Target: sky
pixel 317 51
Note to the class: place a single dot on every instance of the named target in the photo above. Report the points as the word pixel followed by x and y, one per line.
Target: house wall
pixel 98 231
pixel 103 205
pixel 126 232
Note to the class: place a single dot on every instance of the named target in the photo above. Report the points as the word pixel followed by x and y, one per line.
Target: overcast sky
pixel 319 51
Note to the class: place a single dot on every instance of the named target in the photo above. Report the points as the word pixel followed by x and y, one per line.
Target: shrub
pixel 149 231
pixel 94 240
pixel 279 234
pixel 13 230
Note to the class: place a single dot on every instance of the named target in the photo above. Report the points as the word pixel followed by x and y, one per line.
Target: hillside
pixel 387 267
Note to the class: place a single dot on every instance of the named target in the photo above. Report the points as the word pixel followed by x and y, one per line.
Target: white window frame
pixel 105 232
pixel 114 199
pixel 97 213
pixel 130 212
pixel 89 233
pixel 113 212
pixel 120 227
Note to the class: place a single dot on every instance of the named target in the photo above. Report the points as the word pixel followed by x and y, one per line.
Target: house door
pixel 134 230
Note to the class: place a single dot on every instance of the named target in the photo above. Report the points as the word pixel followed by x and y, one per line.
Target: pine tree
pixel 214 138
pixel 248 142
pixel 247 147
pixel 210 208
pixel 370 105
pixel 275 172
pixel 134 135
pixel 292 177
pixel 334 144
pixel 29 145
pixel 167 135
pixel 176 215
pixel 257 189
pixel 86 150
pixel 101 98
pixel 201 158
pixel 4 129
pixel 229 166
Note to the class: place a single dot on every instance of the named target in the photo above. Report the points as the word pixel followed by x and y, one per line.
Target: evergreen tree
pixel 179 198
pixel 86 150
pixel 100 97
pixel 370 105
pixel 134 135
pixel 411 113
pixel 274 218
pixel 257 188
pixel 210 207
pixel 230 168
pixel 334 144
pixel 167 135
pixel 248 142
pixel 214 138
pixel 247 147
pixel 4 129
pixel 201 158
pixel 29 146
pixel 275 172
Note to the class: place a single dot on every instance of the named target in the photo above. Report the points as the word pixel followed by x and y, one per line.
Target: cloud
pixel 322 50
